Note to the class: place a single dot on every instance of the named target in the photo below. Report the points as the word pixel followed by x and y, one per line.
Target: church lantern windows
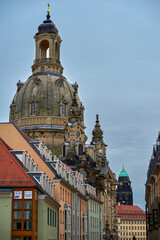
pixel 56 52
pixel 33 108
pixel 44 49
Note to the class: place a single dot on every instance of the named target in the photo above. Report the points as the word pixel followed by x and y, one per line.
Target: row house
pixel 61 183
pixel 27 198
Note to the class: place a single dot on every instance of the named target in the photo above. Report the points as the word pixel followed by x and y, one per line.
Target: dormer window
pixel 33 108
pixel 63 109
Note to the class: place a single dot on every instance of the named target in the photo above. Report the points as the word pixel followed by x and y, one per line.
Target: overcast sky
pixel 112 49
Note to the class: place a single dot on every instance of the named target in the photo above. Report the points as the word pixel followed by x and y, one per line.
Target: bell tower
pixel 47 41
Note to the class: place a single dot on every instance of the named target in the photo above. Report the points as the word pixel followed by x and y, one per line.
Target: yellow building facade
pixel 132 222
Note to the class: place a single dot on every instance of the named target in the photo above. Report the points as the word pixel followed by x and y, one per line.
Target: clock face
pixel 77 134
pixel 100 151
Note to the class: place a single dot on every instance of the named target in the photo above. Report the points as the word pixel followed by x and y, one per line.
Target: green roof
pixel 123 173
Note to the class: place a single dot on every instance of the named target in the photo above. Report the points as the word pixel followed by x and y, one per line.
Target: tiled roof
pixel 130 212
pixel 11 172
pixel 69 168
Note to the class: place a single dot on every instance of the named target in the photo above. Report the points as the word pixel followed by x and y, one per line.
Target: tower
pixel 42 105
pixel 124 190
pixel 99 145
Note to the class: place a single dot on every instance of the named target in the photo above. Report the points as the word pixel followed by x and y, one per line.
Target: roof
pixel 130 212
pixel 123 173
pixel 11 172
pixel 69 168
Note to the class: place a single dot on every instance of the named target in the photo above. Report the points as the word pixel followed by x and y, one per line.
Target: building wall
pixel 93 220
pixel 6 212
pixel 76 217
pixel 83 212
pixel 133 228
pixel 47 229
pixel 63 197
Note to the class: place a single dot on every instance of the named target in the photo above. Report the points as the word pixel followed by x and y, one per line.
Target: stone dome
pixel 47 27
pixel 48 91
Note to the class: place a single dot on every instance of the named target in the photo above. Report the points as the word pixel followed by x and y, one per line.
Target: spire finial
pixel 123 166
pixel 48 10
pixel 97 118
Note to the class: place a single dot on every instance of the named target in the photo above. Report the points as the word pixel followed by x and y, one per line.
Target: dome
pixel 123 173
pixel 47 91
pixel 47 27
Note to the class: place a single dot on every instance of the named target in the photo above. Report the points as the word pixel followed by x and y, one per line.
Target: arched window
pixel 33 108
pixel 63 109
pixel 80 149
pixel 56 51
pixel 44 49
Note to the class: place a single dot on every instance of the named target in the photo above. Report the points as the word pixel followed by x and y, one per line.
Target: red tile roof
pixel 69 168
pixel 11 172
pixel 130 212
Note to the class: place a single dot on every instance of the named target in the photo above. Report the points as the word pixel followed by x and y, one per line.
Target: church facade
pixel 47 107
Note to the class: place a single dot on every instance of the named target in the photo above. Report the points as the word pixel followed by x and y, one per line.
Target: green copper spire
pixel 123 173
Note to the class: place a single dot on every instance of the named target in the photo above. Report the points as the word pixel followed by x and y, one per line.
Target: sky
pixel 112 49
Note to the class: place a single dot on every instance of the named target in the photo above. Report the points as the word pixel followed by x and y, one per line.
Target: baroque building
pixel 132 222
pixel 47 107
pixel 124 189
pixel 46 102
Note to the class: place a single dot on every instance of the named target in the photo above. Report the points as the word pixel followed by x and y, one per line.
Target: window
pixel 48 216
pixel 22 211
pixel 33 108
pixel 17 225
pixel 27 225
pixel 28 215
pixel 64 150
pixel 63 109
pixel 17 204
pixel 17 215
pixel 55 219
pixel 42 69
pixel 80 151
pixel 27 204
pixel 65 220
